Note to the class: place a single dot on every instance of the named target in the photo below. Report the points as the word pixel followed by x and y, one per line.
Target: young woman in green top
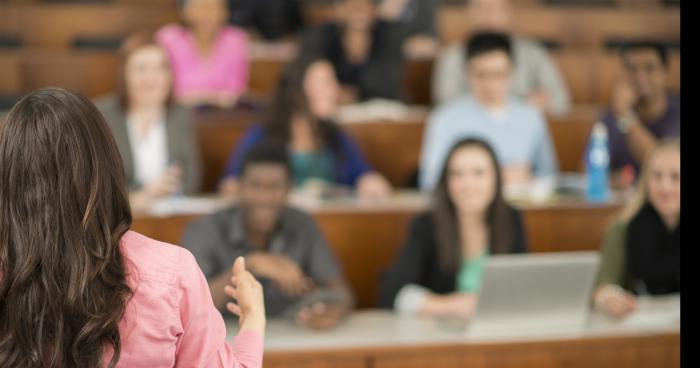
pixel 641 252
pixel 438 272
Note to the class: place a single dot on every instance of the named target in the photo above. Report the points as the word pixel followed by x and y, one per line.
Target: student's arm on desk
pixel 166 184
pixel 402 289
pixel 332 299
pixel 414 299
pixel 609 296
pixel 324 308
pixel 454 305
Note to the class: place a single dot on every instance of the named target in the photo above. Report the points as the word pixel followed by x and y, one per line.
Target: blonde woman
pixel 641 253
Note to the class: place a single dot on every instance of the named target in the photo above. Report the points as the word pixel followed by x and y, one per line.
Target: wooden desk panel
pixel 589 75
pixel 217 135
pixel 652 351
pixel 567 229
pixel 417 81
pixel 573 26
pixel 60 67
pixel 366 244
pixel 366 240
pixel 393 149
pixel 88 73
pixel 9 72
pixel 55 26
pixel 383 340
pixel 321 361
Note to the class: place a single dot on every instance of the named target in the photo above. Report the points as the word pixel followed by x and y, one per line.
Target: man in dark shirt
pixel 642 112
pixel 284 249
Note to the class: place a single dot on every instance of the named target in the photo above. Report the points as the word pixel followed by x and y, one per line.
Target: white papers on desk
pixel 537 190
pixel 179 205
pixel 375 109
pixel 659 310
pixel 543 189
pixel 653 312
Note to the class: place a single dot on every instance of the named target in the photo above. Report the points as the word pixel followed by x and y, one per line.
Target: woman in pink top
pixel 209 58
pixel 77 287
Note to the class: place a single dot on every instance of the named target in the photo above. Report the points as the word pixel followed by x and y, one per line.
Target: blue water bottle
pixel 597 163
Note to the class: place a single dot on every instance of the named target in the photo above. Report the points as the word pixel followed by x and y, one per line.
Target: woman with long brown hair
pixel 301 117
pixel 77 287
pixel 438 272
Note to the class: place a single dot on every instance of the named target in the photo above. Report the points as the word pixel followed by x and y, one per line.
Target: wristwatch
pixel 624 123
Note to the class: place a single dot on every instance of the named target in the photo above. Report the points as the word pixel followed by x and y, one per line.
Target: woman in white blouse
pixel 153 133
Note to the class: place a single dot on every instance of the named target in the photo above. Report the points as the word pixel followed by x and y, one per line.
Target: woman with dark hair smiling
pixel 77 287
pixel 154 134
pixel 438 272
pixel 301 118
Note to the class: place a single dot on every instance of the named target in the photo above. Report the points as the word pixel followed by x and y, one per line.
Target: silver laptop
pixel 533 294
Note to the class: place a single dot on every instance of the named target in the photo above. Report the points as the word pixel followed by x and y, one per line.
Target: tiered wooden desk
pixel 366 235
pixel 380 339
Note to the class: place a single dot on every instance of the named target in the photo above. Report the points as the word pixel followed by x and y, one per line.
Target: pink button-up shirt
pixel 225 69
pixel 171 320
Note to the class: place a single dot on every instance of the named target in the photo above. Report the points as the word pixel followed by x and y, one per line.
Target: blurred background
pixel 392 72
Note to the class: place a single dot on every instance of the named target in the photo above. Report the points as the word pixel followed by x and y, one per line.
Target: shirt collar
pixel 236 232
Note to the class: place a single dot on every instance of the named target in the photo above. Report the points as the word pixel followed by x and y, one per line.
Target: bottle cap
pixel 599 130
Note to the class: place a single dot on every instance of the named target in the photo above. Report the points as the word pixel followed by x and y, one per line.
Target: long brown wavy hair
pixel 63 211
pixel 499 215
pixel 290 99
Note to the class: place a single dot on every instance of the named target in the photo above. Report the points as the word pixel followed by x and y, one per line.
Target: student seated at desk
pixel 438 272
pixel 536 77
pixel 416 18
pixel 301 119
pixel 516 130
pixel 77 287
pixel 209 58
pixel 641 252
pixel 642 112
pixel 282 245
pixel 154 134
pixel 365 51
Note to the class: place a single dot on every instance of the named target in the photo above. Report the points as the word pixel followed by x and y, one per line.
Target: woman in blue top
pixel 301 118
